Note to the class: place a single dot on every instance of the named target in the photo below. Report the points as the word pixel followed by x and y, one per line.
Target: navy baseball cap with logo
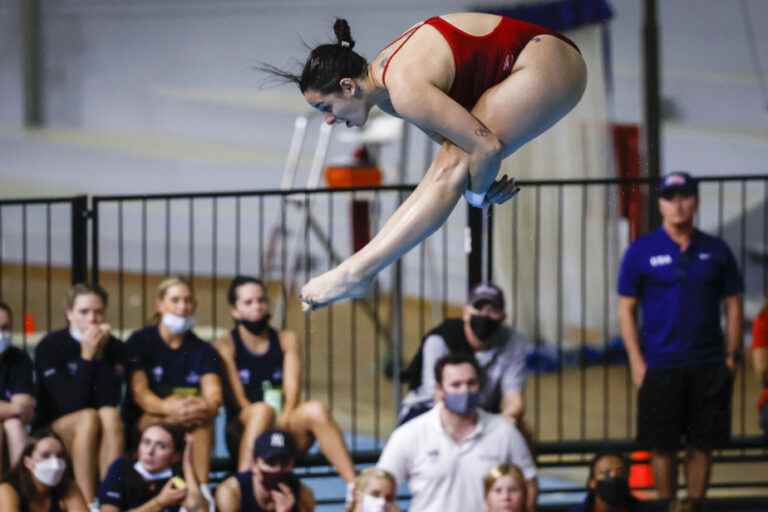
pixel 274 445
pixel 678 183
pixel 487 293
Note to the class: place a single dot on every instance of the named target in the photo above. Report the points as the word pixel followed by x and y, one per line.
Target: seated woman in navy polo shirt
pixel 161 478
pixel 42 480
pixel 17 404
pixel 174 375
pixel 79 372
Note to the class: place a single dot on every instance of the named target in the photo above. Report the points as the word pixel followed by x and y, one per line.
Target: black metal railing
pixel 285 237
pixel 555 249
pixel 41 255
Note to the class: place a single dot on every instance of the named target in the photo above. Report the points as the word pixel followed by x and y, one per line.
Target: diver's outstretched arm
pixel 423 212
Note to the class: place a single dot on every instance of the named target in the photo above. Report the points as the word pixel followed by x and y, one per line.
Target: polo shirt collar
pixel 482 420
pixel 695 236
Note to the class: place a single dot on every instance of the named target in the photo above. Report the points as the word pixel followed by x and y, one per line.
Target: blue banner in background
pixel 560 15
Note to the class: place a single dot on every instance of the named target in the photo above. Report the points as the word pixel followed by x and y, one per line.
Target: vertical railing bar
pixel 95 263
pixel 330 337
pixel 144 258
pixel 48 269
pixel 583 315
pixel 720 207
pixel 238 233
pixel 307 318
pixel 121 267
pixel 742 265
pixel 192 242
pixel 376 345
pixel 24 274
pixel 559 273
pixel 536 319
pixel 167 237
pixel 215 268
pixel 353 359
pixel 445 271
pixel 515 264
pixel 422 290
pixel 283 261
pixel 261 236
pixel 606 301
pixel 629 387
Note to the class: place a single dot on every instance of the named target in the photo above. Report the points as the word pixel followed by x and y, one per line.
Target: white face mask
pixel 178 324
pixel 50 471
pixel 147 475
pixel 373 503
pixel 76 333
pixel 5 341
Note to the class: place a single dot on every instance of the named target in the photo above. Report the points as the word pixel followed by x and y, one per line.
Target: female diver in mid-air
pixel 479 84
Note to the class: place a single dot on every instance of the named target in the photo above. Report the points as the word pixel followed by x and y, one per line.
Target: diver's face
pixel 346 106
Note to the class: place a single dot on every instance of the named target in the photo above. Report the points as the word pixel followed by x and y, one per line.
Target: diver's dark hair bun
pixel 343 33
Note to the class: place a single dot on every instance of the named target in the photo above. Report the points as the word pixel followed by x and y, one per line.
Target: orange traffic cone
pixel 29 324
pixel 641 475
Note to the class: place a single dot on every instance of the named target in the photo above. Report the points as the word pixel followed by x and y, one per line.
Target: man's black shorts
pixel 685 407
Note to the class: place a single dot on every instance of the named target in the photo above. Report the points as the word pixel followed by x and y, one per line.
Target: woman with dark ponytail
pixel 479 84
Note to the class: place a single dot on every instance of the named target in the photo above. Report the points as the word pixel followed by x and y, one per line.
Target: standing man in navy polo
pixel 681 360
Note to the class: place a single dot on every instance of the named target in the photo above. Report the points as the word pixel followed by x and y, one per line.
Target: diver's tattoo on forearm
pixel 536 39
pixel 482 132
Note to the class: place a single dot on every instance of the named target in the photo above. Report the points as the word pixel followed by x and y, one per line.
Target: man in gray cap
pixel 480 331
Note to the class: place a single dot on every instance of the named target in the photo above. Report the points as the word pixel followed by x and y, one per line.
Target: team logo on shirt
pixel 245 376
pixel 157 371
pixel 704 256
pixel 277 375
pixel 193 378
pixel 660 260
pixel 72 367
pixel 49 372
pixel 433 454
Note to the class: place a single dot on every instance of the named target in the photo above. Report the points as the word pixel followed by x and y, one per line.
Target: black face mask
pixel 483 326
pixel 614 491
pixel 256 328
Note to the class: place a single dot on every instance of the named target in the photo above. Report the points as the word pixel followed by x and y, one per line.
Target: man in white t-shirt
pixel 444 453
pixel 497 347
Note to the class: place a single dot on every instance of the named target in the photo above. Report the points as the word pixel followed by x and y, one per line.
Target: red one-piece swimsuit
pixel 481 61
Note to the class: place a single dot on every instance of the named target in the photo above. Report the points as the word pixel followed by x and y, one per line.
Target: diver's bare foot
pixel 330 287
